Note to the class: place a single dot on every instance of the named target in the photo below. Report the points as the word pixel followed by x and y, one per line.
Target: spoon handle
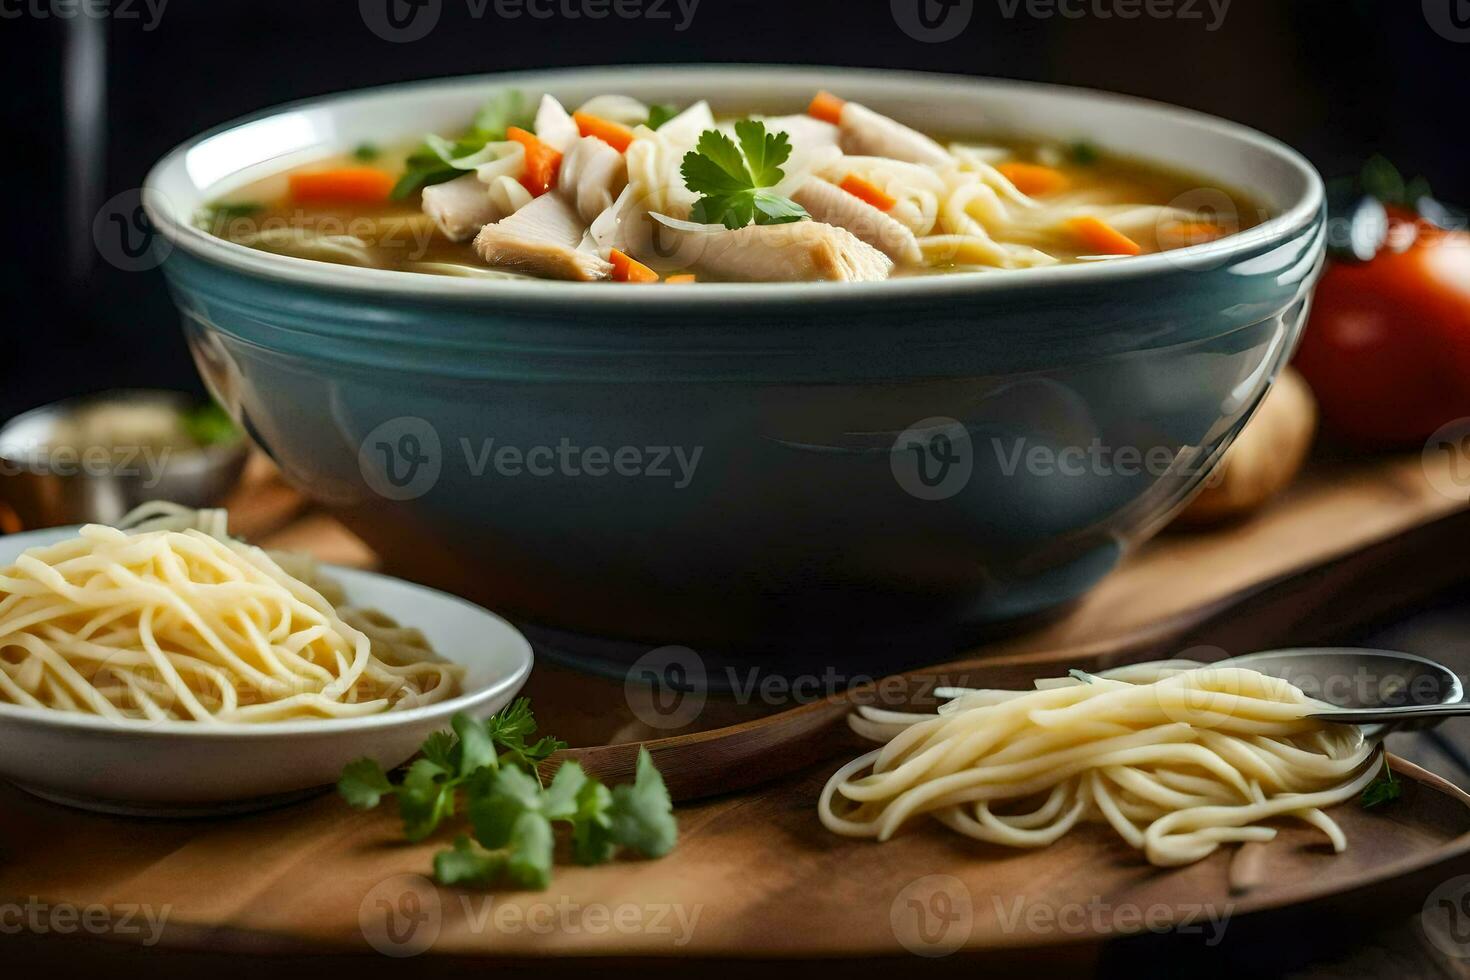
pixel 1395 716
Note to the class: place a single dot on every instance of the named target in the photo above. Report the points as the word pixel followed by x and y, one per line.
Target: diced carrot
pixel 628 269
pixel 681 278
pixel 1182 234
pixel 615 135
pixel 542 162
pixel 826 107
pixel 1032 179
pixel 867 191
pixel 1102 237
pixel 361 184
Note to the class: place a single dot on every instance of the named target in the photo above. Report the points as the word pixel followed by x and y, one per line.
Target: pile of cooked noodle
pixel 1176 757
pixel 170 618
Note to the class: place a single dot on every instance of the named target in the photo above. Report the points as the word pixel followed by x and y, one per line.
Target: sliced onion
pixel 511 161
pixel 692 227
pixel 616 108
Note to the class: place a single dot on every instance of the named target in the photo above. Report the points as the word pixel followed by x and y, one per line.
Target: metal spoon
pixel 1368 687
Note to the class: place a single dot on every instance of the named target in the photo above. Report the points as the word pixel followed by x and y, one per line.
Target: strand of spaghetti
pixel 177 621
pixel 1177 758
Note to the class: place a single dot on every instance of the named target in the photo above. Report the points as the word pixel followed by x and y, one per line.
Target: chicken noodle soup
pixel 623 191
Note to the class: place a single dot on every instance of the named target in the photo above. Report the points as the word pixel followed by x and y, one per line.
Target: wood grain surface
pixel 755 874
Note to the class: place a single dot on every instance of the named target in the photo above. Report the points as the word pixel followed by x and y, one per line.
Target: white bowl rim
pixel 53 718
pixel 422 286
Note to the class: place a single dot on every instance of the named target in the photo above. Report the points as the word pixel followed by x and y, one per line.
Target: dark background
pixel 1337 78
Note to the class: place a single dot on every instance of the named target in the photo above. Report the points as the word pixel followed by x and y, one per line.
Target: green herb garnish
pixel 214 217
pixel 1084 153
pixel 501 111
pixel 660 113
pixel 366 152
pixel 1384 789
pixel 434 161
pixel 733 179
pixel 209 425
pixel 491 766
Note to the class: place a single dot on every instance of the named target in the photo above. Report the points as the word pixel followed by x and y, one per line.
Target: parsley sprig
pixel 660 113
pixel 491 765
pixel 734 179
pixel 1384 789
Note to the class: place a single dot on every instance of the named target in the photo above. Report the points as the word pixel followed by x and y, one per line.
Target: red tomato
pixel 1387 348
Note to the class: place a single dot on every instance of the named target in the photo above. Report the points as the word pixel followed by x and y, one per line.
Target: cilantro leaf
pixel 439 748
pixel 764 152
pixel 592 841
pixel 734 211
pixel 476 748
pixel 424 168
pixel 424 799
pixel 715 167
pixel 501 111
pixel 561 798
pixel 733 179
pixel 773 209
pixel 215 218
pixel 497 802
pixel 510 729
pixel 660 113
pixel 364 784
pixel 641 815
pixel 1384 789
pixel 366 152
pixel 431 162
pixel 466 864
pixel 528 861
pixel 492 764
pixel 1084 154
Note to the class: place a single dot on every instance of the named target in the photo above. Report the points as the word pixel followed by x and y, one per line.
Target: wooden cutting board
pixel 1352 542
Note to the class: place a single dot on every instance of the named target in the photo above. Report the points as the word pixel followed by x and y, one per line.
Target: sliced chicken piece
pixel 541 239
pixel 827 202
pixel 554 127
pixel 460 207
pixel 867 133
pixel 592 176
pixel 794 252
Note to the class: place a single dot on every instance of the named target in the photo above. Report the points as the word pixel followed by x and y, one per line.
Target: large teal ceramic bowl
pixel 795 474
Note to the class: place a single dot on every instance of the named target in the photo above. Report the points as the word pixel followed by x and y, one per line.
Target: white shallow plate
pixel 178 768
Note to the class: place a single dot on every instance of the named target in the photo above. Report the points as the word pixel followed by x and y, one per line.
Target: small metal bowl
pixel 46 484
